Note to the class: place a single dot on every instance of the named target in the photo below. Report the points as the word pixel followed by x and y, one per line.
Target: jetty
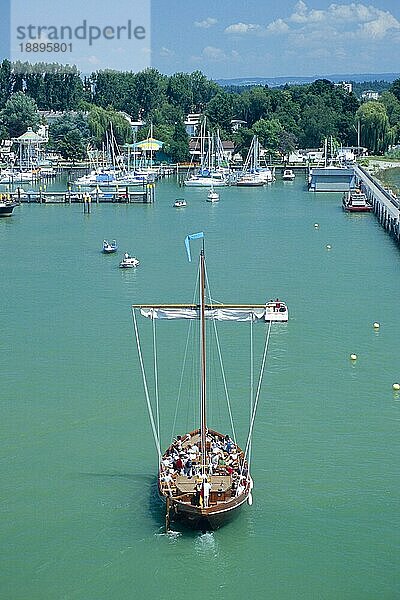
pixel 146 195
pixel 385 204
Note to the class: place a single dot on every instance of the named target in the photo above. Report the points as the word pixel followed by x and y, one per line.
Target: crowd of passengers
pixel 184 458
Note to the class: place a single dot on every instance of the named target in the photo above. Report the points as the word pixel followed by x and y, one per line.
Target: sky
pixel 269 38
pixel 222 38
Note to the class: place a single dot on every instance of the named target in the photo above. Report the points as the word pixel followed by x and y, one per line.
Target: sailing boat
pixel 253 175
pixel 210 171
pixel 204 475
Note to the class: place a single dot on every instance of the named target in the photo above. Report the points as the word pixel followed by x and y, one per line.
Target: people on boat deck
pixel 183 459
pixel 206 492
pixel 195 501
pixel 178 465
pixel 178 442
pixel 187 469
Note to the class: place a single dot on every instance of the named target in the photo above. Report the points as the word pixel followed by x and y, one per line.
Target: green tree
pixel 116 89
pixel 69 135
pixel 150 89
pixel 19 113
pixel 202 90
pixel 179 91
pixel 100 120
pixel 376 133
pixel 178 148
pixel 220 111
pixel 256 105
pixel 287 143
pixel 269 132
pixel 5 82
pixel 395 88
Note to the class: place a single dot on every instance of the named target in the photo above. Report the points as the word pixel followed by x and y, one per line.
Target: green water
pixel 79 516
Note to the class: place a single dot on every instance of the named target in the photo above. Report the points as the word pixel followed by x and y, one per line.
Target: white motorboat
pixel 6 207
pixel 276 310
pixel 288 175
pixel 110 247
pixel 180 203
pixel 128 262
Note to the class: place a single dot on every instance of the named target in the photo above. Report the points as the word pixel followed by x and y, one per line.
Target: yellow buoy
pixel 353 356
pixel 376 325
pixel 396 386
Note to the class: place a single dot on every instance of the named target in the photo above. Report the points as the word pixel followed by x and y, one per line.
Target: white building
pixel 192 124
pixel 346 85
pixel 369 95
pixel 237 124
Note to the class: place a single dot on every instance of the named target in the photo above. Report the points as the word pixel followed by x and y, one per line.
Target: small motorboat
pixel 180 203
pixel 128 262
pixel 288 175
pixel 212 196
pixel 276 310
pixel 6 206
pixel 109 247
pixel 355 201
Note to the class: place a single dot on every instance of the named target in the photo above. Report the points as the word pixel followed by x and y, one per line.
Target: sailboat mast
pixel 203 422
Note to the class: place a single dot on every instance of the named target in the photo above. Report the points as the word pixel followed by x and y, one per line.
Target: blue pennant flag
pixel 192 236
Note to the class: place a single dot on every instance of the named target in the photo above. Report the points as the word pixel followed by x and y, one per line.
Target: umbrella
pixel 149 144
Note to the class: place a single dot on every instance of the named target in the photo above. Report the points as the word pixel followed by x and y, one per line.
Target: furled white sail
pixel 214 313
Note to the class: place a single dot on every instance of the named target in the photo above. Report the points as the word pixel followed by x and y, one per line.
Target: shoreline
pixel 377 169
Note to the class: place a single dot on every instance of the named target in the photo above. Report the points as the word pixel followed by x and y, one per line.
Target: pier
pixel 385 205
pixel 146 195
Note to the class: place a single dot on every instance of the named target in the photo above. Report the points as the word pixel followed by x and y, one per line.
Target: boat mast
pixel 203 422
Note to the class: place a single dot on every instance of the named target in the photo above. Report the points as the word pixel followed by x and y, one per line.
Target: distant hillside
pixel 278 81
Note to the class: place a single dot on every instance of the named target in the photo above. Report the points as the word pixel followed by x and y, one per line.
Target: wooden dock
pixel 386 206
pixel 145 195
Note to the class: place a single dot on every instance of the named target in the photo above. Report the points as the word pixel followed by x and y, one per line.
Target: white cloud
pixel 212 53
pixel 93 60
pixel 166 52
pixel 243 28
pixel 278 26
pixel 383 24
pixel 209 22
pixel 216 55
pixel 345 21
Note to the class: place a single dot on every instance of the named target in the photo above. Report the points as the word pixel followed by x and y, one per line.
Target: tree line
pixel 283 118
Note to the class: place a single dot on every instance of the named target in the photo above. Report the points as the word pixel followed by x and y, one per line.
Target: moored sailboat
pixel 204 475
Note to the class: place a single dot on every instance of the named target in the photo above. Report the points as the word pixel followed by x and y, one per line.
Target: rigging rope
pixel 221 364
pixel 146 389
pixel 156 379
pixel 253 416
pixel 190 327
pixel 251 381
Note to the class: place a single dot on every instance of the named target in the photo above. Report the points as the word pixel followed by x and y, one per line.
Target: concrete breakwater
pixel 385 204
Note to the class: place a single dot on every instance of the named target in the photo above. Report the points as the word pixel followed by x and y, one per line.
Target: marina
pixel 78 467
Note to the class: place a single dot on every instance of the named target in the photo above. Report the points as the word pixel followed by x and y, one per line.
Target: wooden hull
pixel 225 497
pixel 206 519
